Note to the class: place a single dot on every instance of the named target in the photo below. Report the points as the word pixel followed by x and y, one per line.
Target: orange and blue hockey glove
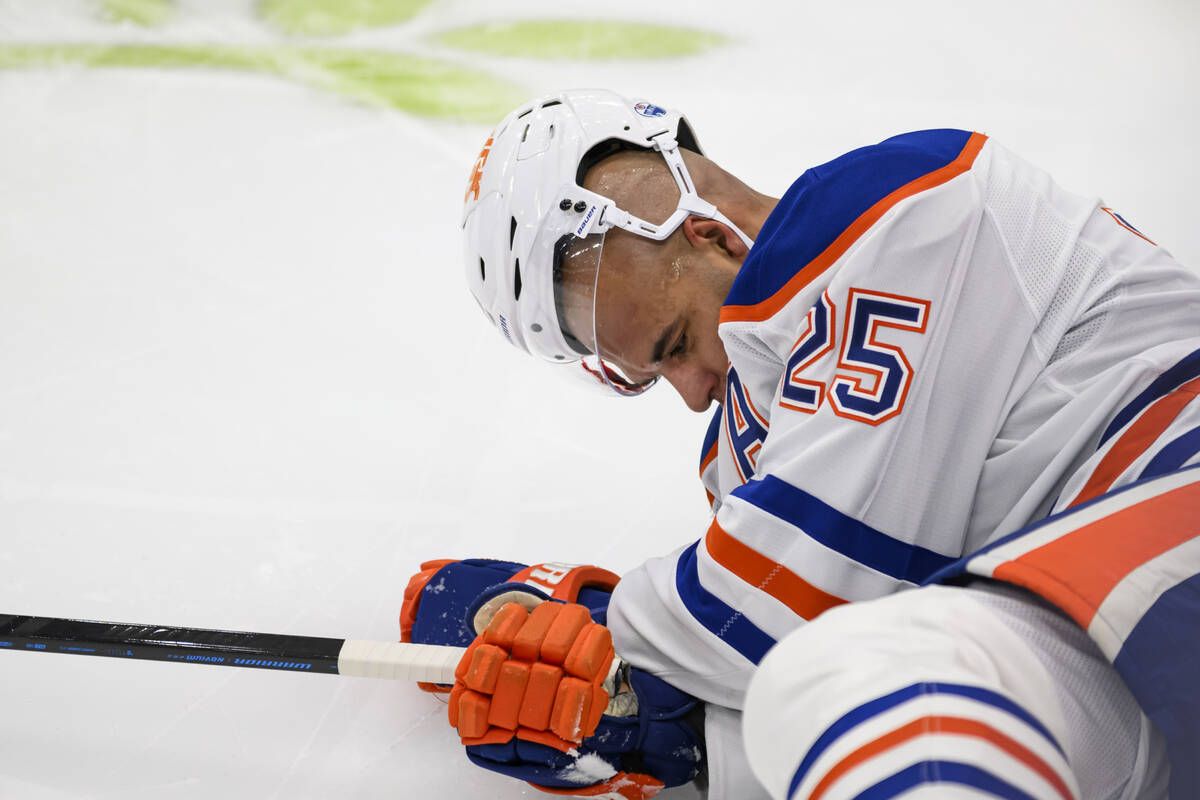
pixel 438 598
pixel 540 696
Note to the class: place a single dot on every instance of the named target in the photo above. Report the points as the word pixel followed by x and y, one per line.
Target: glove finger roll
pixel 591 654
pixel 527 645
pixel 473 710
pixel 561 635
pixel 539 696
pixel 509 695
pixel 505 626
pixel 484 669
pixel 572 704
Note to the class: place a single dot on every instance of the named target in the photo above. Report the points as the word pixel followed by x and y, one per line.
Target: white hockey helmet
pixel 526 211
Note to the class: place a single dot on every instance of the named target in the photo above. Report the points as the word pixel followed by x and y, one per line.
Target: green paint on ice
pixel 139 12
pixel 335 17
pixel 583 39
pixel 422 86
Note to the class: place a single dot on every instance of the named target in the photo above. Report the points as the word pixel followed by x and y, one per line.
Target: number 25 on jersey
pixel 872 377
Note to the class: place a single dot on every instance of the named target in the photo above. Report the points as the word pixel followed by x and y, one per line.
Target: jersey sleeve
pixel 877 334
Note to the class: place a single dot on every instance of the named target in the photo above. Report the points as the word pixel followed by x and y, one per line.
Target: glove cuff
pixel 412 595
pixel 565 581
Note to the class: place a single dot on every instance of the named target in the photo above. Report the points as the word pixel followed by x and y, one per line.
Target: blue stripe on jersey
pixel 1158 663
pixel 826 200
pixel 925 772
pixel 710 436
pixel 875 707
pixel 841 533
pixel 959 567
pixel 1173 455
pixel 714 614
pixel 1164 384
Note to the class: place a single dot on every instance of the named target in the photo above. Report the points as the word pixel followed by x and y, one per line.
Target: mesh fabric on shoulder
pixel 742 338
pixel 1057 272
pixel 1091 322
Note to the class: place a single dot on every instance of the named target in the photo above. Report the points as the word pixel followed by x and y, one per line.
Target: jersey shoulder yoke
pixel 831 205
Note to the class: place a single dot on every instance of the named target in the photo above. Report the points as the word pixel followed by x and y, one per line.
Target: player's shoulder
pixel 838 200
pixel 857 180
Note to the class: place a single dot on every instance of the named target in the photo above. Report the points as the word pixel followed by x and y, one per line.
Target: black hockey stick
pixel 313 654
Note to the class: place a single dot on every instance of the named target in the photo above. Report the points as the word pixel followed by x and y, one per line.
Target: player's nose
pixel 694 384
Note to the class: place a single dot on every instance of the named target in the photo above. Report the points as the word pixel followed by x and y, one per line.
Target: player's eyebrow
pixel 660 346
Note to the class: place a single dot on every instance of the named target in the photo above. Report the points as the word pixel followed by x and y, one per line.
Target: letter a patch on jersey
pixel 744 426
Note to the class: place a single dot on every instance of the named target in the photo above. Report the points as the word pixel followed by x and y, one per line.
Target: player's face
pixel 661 320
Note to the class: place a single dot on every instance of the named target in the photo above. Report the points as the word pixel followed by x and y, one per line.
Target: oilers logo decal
pixel 650 110
pixel 477 171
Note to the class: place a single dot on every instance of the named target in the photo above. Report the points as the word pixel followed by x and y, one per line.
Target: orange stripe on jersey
pixel 810 271
pixel 1079 569
pixel 1136 439
pixel 944 725
pixel 754 568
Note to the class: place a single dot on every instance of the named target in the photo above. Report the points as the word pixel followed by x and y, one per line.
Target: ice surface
pixel 243 386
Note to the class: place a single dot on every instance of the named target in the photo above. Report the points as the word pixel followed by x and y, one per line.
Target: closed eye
pixel 673 336
pixel 680 346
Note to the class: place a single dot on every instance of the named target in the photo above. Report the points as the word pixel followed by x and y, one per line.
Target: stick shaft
pixel 230 648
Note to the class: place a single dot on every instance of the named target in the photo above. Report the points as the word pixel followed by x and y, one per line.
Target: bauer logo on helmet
pixel 583 226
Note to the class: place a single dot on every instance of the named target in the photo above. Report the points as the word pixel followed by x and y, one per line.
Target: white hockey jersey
pixel 927 341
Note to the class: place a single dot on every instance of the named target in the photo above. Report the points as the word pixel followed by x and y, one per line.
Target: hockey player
pixel 924 346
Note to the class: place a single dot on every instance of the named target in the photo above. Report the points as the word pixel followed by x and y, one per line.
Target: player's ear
pixel 702 232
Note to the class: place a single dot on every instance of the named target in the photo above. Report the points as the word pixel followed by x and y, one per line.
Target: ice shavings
pixel 587 769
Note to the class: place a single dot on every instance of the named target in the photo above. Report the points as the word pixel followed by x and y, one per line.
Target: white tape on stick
pixel 399 661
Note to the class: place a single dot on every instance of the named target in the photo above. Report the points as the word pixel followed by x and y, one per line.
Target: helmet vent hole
pixel 525 133
pixel 512 231
pixel 552 103
pixel 516 279
pixel 482 271
pixel 550 132
pixel 535 328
